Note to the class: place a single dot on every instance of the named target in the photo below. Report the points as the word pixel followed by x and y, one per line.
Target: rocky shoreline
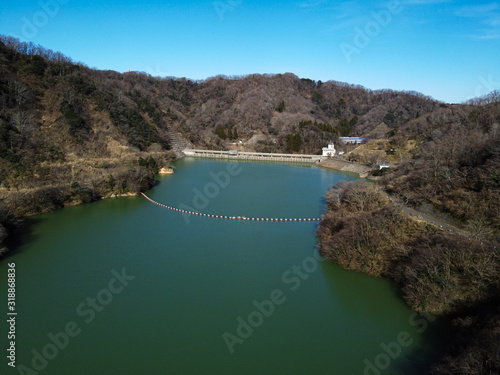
pixel 346 166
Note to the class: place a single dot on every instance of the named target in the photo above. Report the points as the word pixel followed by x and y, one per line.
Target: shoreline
pixel 338 165
pixel 425 264
pixel 346 166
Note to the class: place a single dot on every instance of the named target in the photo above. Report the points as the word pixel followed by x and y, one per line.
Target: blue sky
pixel 449 50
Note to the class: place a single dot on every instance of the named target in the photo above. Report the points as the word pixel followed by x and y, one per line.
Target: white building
pixel 385 165
pixel 330 150
pixel 352 140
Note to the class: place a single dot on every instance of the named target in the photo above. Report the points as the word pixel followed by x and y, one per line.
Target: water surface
pixel 195 279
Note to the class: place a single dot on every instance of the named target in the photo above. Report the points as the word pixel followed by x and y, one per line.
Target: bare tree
pixel 23 122
pixel 21 92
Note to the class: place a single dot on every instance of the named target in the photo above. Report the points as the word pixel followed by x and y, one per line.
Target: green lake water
pixel 193 281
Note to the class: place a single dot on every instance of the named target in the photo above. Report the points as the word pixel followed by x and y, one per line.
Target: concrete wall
pixel 294 158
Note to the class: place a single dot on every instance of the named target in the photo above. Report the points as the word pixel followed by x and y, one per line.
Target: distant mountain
pixel 84 103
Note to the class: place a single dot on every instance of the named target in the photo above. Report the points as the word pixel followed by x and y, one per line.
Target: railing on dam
pixel 243 155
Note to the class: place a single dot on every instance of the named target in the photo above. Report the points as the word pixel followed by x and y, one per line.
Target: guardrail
pixel 243 155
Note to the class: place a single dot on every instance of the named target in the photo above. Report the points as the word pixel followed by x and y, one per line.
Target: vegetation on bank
pixel 69 135
pixel 448 166
pixel 88 185
pixel 438 271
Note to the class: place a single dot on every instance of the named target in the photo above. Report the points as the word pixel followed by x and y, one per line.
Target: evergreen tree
pixel 282 107
pixel 221 132
pixel 294 142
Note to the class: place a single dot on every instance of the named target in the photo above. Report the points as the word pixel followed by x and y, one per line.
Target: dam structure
pixel 262 156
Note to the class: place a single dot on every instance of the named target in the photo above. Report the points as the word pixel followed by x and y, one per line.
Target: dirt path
pixel 439 223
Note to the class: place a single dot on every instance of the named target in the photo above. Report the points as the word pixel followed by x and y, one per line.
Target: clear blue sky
pixel 449 50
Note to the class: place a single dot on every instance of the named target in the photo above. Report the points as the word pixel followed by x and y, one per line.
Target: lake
pixel 123 286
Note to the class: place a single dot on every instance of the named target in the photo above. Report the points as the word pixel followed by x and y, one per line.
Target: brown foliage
pixel 438 272
pixel 445 272
pixel 474 342
pixel 456 167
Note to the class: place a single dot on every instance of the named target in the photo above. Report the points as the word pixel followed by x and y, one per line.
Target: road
pixel 439 223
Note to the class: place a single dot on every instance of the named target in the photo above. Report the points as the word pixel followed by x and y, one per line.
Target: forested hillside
pixel 453 172
pixel 71 134
pixel 437 271
pixel 269 108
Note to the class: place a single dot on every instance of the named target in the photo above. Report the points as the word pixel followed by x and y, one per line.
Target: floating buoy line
pixel 224 217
